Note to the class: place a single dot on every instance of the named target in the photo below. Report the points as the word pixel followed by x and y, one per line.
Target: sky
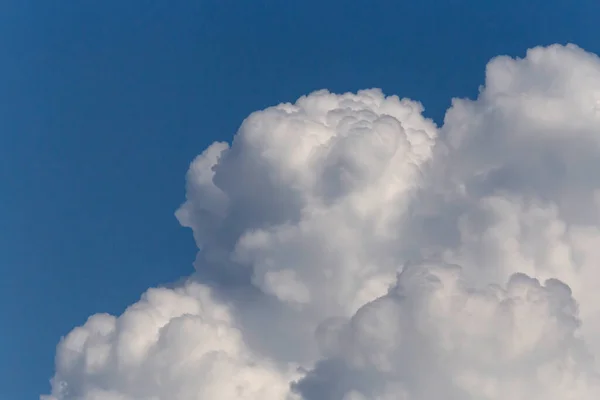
pixel 104 105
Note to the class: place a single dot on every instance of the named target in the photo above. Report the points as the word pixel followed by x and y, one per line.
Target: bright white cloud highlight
pixel 350 249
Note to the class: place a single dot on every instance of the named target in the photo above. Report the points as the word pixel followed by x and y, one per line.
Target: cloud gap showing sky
pixel 351 249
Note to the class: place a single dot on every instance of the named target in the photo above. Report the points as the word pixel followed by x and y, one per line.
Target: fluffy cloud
pixel 434 337
pixel 520 161
pixel 350 249
pixel 173 344
pixel 304 183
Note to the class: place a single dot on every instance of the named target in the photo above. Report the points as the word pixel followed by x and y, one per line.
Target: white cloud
pixel 434 337
pixel 175 344
pixel 314 195
pixel 318 208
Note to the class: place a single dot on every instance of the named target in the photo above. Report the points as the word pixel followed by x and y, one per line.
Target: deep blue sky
pixel 103 104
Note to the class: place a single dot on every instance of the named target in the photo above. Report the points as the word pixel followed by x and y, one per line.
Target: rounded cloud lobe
pixel 174 343
pixel 351 249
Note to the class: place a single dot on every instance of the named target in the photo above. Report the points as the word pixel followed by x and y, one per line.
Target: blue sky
pixel 103 104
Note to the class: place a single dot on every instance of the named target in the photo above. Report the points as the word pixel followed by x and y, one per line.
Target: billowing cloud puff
pixel 520 162
pixel 434 337
pixel 350 249
pixel 173 344
pixel 304 183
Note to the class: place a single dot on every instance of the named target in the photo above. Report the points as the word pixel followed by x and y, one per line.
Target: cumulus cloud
pixel 351 249
pixel 173 344
pixel 434 337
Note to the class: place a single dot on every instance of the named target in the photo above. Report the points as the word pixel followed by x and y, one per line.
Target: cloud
pixel 351 249
pixel 173 344
pixel 434 337
pixel 307 202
